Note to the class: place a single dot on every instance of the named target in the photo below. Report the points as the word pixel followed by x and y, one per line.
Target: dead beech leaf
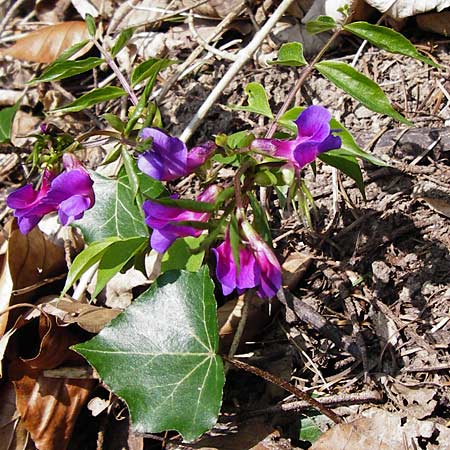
pixel 47 43
pixel 49 408
pixel 439 205
pixel 382 430
pixel 89 317
pixel 13 435
pixel 30 260
pixel 435 22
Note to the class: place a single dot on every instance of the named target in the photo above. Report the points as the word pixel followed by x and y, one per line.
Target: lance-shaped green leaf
pixel 115 212
pixel 290 54
pixel 149 69
pixel 321 24
pixel 160 357
pixel 359 86
pixel 91 98
pixel 114 259
pixel 87 258
pixel 257 101
pixel 387 39
pixel 61 69
pixel 121 41
pixel 347 164
pixel 6 120
pixel 191 205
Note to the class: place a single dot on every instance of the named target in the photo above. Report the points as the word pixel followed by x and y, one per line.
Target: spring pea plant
pixel 161 354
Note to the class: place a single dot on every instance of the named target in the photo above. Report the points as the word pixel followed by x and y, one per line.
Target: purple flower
pixel 259 267
pixel 163 220
pixel 314 137
pixel 69 193
pixel 27 203
pixel 169 158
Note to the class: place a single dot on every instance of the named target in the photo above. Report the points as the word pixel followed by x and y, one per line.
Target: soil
pixel 378 267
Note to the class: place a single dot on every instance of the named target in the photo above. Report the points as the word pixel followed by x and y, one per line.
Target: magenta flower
pixel 69 193
pixel 259 267
pixel 314 137
pixel 163 220
pixel 169 158
pixel 27 203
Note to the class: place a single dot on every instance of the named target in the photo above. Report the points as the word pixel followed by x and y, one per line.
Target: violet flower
pixel 163 220
pixel 27 203
pixel 314 137
pixel 169 158
pixel 259 267
pixel 70 193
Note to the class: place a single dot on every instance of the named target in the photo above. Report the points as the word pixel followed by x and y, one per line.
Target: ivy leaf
pixel 321 24
pixel 291 55
pixel 6 121
pixel 62 68
pixel 387 39
pixel 91 98
pixel 347 164
pixel 257 101
pixel 115 213
pixel 360 87
pixel 159 355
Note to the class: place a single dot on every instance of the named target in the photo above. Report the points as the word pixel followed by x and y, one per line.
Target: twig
pixel 329 401
pixel 286 386
pixel 11 11
pixel 243 56
pixel 84 282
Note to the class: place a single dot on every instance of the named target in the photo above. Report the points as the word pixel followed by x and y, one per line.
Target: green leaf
pixel 87 258
pixel 159 355
pixel 131 170
pixel 121 41
pixel 114 121
pixel 347 164
pixel 114 259
pixel 291 55
pixel 234 241
pixel 179 255
pixel 387 39
pixel 61 69
pixel 66 54
pixel 240 139
pixel 149 69
pixel 310 427
pixel 91 98
pixel 257 101
pixel 6 121
pixel 260 219
pixel 115 213
pixel 350 147
pixel 191 205
pixel 360 87
pixel 90 23
pixel 321 24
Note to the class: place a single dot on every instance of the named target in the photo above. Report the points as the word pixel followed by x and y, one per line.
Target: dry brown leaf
pixel 435 22
pixel 382 430
pixel 51 11
pixel 30 259
pixel 89 317
pixel 49 408
pixel 47 43
pixel 215 8
pixel 13 435
pixel 439 205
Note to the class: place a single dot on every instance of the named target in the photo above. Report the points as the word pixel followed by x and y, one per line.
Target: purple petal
pixel 22 197
pixel 313 123
pixel 152 165
pixel 209 195
pixel 249 273
pixel 198 155
pixel 161 241
pixel 27 223
pixel 225 267
pixel 330 143
pixel 67 184
pixel 73 208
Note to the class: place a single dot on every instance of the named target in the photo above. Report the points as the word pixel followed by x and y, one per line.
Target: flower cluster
pixel 69 193
pixel 250 264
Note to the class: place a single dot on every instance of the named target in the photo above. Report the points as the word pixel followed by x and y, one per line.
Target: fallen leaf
pixel 46 44
pixel 382 430
pixel 49 408
pixel 30 260
pixel 51 11
pixel 399 9
pixel 435 22
pixel 418 403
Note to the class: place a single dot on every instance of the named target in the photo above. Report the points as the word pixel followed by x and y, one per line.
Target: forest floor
pixel 375 270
